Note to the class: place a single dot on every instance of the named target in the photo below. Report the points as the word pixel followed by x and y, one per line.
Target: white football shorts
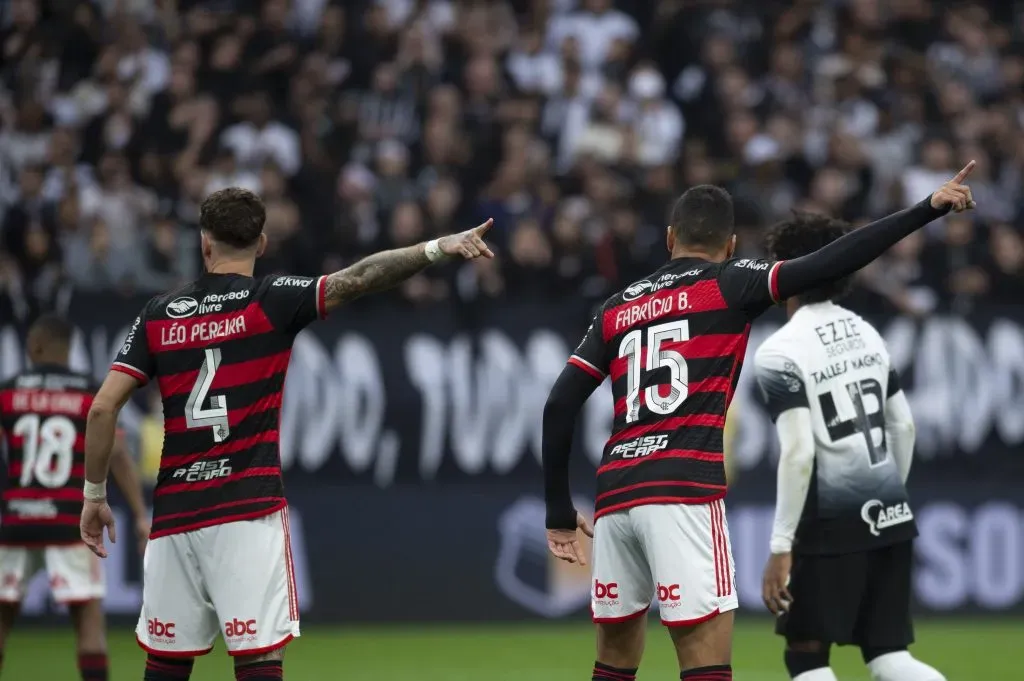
pixel 234 579
pixel 677 555
pixel 75 573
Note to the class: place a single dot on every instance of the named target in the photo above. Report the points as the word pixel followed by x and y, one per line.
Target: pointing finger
pixel 967 170
pixel 112 532
pixel 480 230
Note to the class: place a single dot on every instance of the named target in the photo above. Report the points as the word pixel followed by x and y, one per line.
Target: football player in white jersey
pixel 839 571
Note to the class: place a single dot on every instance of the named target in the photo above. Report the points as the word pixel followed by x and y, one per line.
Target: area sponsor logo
pixel 878 516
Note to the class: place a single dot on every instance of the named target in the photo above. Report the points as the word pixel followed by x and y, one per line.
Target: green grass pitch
pixel 965 650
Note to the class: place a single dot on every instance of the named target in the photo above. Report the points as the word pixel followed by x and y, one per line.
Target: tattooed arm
pixel 387 269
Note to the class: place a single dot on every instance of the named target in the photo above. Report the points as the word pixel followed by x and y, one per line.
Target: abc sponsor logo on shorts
pixel 240 630
pixel 606 594
pixel 160 632
pixel 878 516
pixel 668 595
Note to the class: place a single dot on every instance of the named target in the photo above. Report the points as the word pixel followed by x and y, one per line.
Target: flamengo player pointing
pixel 219 560
pixel 673 344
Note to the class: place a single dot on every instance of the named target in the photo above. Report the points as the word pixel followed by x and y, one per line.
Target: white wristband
pixel 95 491
pixel 433 251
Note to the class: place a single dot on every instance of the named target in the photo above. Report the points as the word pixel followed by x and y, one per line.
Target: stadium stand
pixel 369 124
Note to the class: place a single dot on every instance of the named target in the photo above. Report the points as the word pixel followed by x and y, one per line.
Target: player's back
pixel 219 349
pixel 837 364
pixel 42 417
pixel 673 344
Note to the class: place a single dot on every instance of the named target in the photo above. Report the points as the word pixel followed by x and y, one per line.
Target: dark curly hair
pixel 233 216
pixel 801 235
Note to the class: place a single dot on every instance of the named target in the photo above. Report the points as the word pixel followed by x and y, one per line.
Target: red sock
pixel 93 666
pixel 270 670
pixel 168 668
pixel 606 672
pixel 721 672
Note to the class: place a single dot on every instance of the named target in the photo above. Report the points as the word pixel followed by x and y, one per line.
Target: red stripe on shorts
pixel 712 507
pixel 725 548
pixel 293 605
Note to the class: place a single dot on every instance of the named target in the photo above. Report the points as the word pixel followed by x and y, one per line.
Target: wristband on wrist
pixel 95 491
pixel 433 251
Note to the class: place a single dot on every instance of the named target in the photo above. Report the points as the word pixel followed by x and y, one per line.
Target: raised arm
pixel 384 270
pixel 846 255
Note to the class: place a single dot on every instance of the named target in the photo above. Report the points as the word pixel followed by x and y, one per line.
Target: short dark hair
pixel 52 329
pixel 802 234
pixel 703 216
pixel 233 216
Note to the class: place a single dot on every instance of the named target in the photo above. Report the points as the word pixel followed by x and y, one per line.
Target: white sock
pixel 901 666
pixel 819 674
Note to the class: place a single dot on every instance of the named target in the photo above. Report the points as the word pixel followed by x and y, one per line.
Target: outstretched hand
pixel 955 194
pixel 565 544
pixel 469 244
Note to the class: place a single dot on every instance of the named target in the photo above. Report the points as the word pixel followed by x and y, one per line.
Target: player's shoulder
pixel 51 378
pixel 780 348
pixel 176 303
pixel 746 265
pixel 285 282
pixel 8 383
pixel 679 272
pixel 78 381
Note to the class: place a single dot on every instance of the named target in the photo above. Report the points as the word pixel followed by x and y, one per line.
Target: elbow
pixel 558 407
pixel 101 411
pixel 798 456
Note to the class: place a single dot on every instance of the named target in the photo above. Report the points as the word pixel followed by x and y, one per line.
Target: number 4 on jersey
pixel 216 415
pixel 658 357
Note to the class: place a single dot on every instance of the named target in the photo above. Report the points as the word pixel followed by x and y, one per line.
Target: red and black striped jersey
pixel 673 344
pixel 219 349
pixel 42 416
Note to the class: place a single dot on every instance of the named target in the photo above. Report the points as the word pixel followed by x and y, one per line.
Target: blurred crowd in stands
pixel 573 123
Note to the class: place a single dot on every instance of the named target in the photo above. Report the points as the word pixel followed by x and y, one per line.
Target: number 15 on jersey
pixel 658 357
